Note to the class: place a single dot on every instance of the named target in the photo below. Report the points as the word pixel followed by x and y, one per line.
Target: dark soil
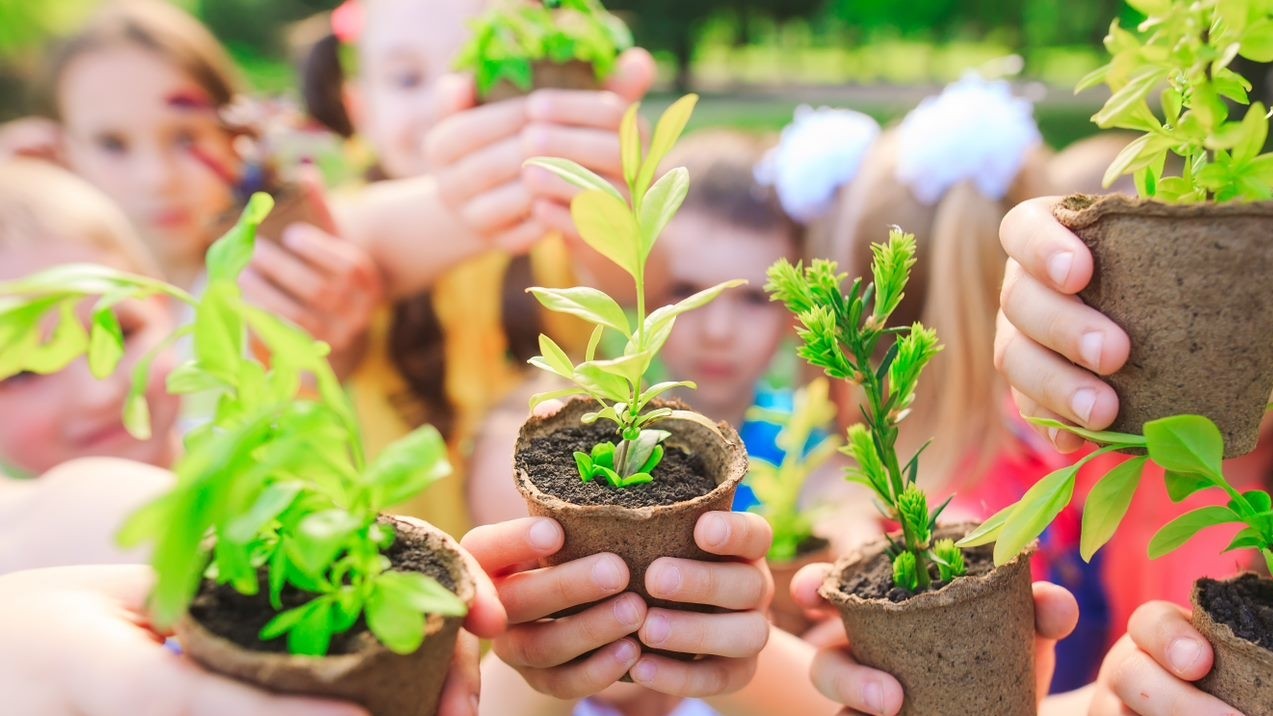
pixel 240 618
pixel 550 462
pixel 876 580
pixel 1245 604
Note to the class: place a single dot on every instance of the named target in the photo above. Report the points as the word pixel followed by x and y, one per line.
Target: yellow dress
pixel 479 370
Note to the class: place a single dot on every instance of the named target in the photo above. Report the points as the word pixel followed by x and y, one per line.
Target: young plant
pixel 1189 448
pixel 778 487
pixel 624 231
pixel 513 36
pixel 274 493
pixel 845 335
pixel 1189 47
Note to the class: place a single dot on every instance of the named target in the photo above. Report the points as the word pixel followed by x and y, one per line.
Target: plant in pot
pixel 899 597
pixel 1159 258
pixel 1236 615
pixel 520 45
pixel 620 469
pixel 272 561
pixel 779 488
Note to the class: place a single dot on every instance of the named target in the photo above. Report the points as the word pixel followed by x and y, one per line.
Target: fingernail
pixel 1090 346
pixel 715 531
pixel 1184 654
pixel 643 670
pixel 1082 402
pixel 607 574
pixel 626 612
pixel 657 629
pixel 873 697
pixel 1052 434
pixel 666 580
pixel 544 535
pixel 536 139
pixel 626 652
pixel 474 706
pixel 1059 267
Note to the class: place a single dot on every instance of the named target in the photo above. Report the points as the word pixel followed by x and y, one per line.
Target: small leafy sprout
pixel 843 334
pixel 1189 47
pixel 778 487
pixel 624 231
pixel 275 482
pixel 513 36
pixel 1189 448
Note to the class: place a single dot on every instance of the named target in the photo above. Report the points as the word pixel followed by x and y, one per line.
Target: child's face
pixel 406 45
pixel 135 127
pixel 47 420
pixel 727 345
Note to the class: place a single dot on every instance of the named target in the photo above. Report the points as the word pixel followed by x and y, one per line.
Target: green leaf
pixel 670 127
pixel 312 635
pixel 106 344
pixel 1180 485
pixel 1257 42
pixel 653 461
pixel 607 225
pixel 1122 440
pixel 1248 538
pixel 232 253
pixel 593 342
pixel 661 204
pixel 613 379
pixel 189 378
pixel 603 454
pixel 658 389
pixel 1185 527
pixel 283 622
pixel 1186 443
pixel 640 478
pixel 658 325
pixel 1129 96
pixel 1036 510
pixel 555 357
pixel 409 465
pixel 1255 131
pixel 587 303
pixel 275 498
pixel 612 477
pixel 584 462
pixel 320 536
pixel 137 416
pixel 1092 79
pixel 218 332
pixel 575 174
pixel 640 450
pixel 1107 505
pixel 630 141
pixel 539 399
pixel 422 593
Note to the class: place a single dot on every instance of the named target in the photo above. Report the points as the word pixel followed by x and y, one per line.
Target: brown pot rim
pixel 1078 211
pixel 732 444
pixel 1221 631
pixel 961 590
pixel 333 666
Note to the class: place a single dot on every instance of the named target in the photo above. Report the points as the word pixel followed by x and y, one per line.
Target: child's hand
pixel 866 690
pixel 1045 332
pixel 732 640
pixel 1151 669
pixel 33 137
pixel 545 652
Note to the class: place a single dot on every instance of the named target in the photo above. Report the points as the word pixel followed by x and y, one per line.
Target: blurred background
pixel 752 60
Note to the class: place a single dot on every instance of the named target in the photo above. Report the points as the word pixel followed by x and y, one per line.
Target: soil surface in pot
pixel 239 618
pixel 1245 604
pixel 876 581
pixel 550 462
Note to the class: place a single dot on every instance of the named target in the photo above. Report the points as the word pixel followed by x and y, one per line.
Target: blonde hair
pixel 1080 167
pixel 954 289
pixel 41 203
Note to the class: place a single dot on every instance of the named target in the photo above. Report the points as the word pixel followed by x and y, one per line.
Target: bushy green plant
pixel 624 231
pixel 275 482
pixel 778 487
pixel 509 39
pixel 1189 45
pixel 845 335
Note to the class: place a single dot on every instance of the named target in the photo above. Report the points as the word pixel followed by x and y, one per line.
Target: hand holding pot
pixel 1045 332
pixel 1151 669
pixel 861 689
pixel 76 642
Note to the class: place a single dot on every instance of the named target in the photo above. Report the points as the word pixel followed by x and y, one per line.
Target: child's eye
pixel 111 143
pixel 184 139
pixel 682 290
pixel 754 297
pixel 407 80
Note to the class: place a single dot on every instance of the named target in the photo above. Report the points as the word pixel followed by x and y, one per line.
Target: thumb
pixel 634 75
pixel 315 194
pixel 454 94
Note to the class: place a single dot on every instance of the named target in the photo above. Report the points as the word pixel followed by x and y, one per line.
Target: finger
pixel 339 259
pixel 548 186
pixel 128 585
pixel 1163 631
pixel 464 680
pixel 730 585
pixel 1150 690
pixel 805 585
pixel 589 675
pixel 473 129
pixel 827 633
pixel 264 295
pixel 485 169
pixel 1063 323
pixel 838 677
pixel 291 274
pixel 1064 442
pixel 548 408
pixel 504 545
pixel 455 93
pixel 738 635
pixel 634 74
pixel 744 535
pixel 311 181
pixel 555 216
pixel 595 149
pixel 577 108
pixel 499 208
pixel 539 593
pixel 546 644
pixel 697 679
pixel 1056 611
pixel 1049 252
pixel 1055 383
pixel 521 238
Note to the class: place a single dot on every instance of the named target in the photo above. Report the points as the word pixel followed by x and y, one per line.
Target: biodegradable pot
pixel 573 75
pixel 783 611
pixel 967 648
pixel 1189 284
pixel 385 683
pixel 1242 675
pixel 643 534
